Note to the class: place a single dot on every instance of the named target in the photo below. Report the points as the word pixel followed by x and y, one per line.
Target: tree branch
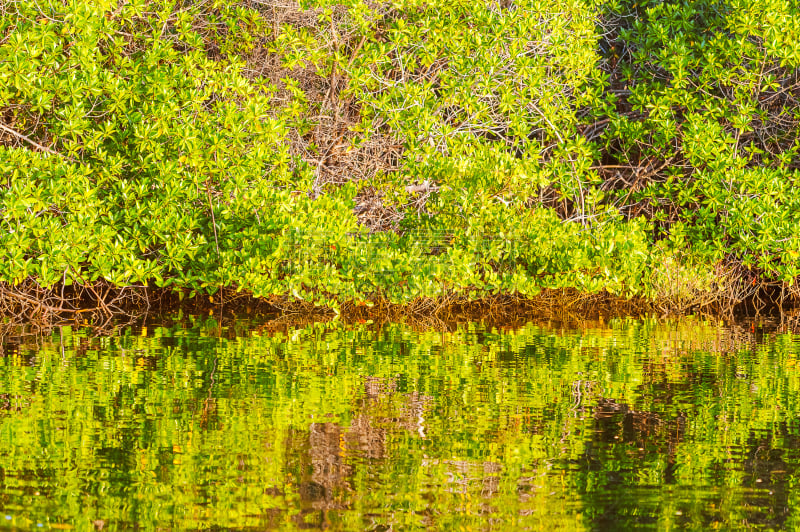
pixel 28 140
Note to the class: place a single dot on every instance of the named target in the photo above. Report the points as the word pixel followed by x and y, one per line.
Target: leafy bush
pixel 709 130
pixel 156 164
pixel 403 150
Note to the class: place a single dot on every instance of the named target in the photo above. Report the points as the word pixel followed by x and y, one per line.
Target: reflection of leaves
pixel 355 421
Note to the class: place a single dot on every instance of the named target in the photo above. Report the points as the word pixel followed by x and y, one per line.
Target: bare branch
pixel 30 141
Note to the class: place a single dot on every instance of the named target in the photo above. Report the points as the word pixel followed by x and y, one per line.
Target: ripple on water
pixel 242 425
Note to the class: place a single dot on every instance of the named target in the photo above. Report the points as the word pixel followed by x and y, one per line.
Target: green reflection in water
pixel 626 425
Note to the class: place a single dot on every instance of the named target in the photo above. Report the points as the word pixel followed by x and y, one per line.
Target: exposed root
pixel 97 303
pixel 104 307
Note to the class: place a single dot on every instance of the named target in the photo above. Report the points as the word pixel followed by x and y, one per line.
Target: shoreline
pixel 96 305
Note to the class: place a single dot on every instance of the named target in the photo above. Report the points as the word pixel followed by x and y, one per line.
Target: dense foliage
pixel 354 151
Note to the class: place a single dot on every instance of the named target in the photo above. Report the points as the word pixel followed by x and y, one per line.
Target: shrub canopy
pixel 331 152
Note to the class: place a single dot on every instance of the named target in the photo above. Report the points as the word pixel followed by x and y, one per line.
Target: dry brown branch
pixel 330 146
pixel 30 141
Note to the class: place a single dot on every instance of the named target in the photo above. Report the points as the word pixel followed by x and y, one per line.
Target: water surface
pixel 245 426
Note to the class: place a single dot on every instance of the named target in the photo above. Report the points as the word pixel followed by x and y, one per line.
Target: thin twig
pixel 30 141
pixel 213 218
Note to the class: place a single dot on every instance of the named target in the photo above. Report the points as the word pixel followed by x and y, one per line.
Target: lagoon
pixel 187 423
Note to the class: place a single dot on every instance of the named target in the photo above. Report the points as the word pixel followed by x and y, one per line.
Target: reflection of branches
pixel 209 402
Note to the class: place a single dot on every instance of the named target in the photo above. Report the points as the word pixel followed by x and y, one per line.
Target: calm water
pixel 627 424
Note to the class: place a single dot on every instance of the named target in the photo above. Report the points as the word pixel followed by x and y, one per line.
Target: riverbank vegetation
pixel 357 152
